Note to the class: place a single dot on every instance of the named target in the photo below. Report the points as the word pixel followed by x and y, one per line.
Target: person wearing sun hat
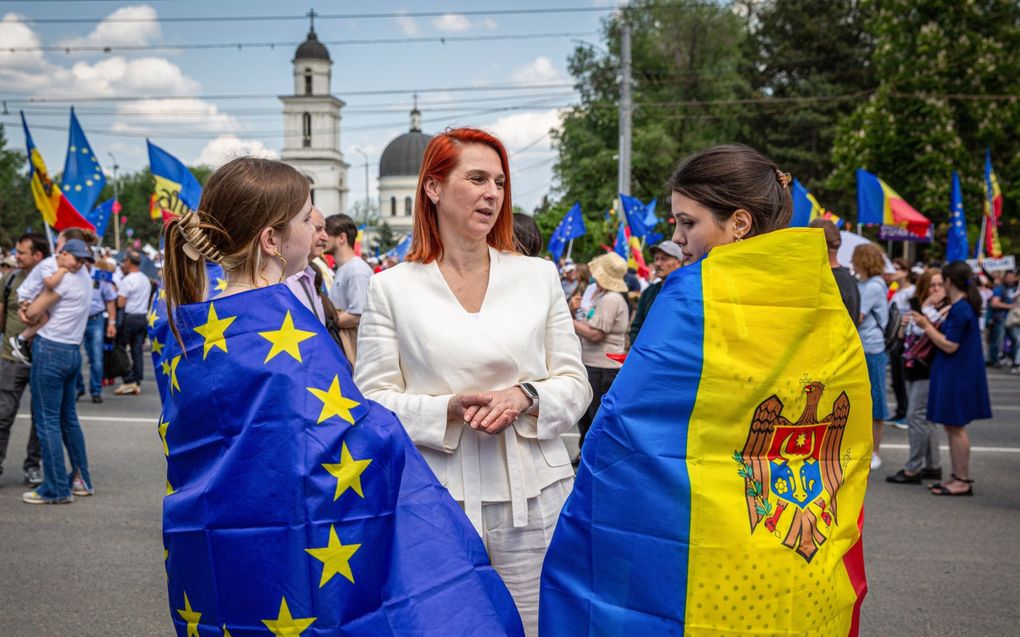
pixel 603 330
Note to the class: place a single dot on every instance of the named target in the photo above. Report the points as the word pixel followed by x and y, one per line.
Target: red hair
pixel 441 157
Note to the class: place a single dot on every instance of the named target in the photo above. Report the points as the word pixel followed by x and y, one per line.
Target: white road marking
pixel 974 449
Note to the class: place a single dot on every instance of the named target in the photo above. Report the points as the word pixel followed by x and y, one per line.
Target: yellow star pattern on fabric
pixel 226 633
pixel 347 473
pixel 163 425
pixel 170 490
pixel 333 402
pixel 335 558
pixel 173 373
pixel 162 294
pixel 153 317
pixel 221 284
pixel 286 626
pixel 190 616
pixel 165 366
pixel 214 331
pixel 157 347
pixel 286 339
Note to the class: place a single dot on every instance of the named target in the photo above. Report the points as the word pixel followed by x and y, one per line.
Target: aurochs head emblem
pixel 796 466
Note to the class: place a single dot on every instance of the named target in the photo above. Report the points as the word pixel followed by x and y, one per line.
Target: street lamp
pixel 368 198
pixel 116 197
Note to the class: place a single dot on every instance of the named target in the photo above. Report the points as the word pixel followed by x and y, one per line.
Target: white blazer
pixel 417 347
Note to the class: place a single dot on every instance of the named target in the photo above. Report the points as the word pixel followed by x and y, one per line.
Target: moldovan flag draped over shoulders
pixel 175 189
pixel 54 207
pixel 294 505
pixel 721 486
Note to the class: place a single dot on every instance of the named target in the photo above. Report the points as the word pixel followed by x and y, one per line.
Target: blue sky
pixel 206 128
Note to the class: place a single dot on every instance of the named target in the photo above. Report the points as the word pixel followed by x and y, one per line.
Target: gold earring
pixel 737 239
pixel 284 272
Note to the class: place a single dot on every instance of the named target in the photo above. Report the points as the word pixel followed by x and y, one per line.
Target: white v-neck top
pixel 417 347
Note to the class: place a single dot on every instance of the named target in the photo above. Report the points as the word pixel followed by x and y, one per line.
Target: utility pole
pixel 623 177
pixel 368 197
pixel 116 197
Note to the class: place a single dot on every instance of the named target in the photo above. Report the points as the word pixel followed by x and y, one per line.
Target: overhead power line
pixel 332 16
pixel 448 39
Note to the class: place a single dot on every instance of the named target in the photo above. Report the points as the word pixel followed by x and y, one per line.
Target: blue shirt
pixel 102 292
pixel 875 309
pixel 1004 294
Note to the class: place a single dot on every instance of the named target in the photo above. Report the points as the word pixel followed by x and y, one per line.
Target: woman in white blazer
pixel 473 347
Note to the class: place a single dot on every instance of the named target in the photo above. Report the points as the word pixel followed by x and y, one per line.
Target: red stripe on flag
pixel 853 561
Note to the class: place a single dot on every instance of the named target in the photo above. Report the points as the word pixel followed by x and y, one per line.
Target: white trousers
pixel 517 553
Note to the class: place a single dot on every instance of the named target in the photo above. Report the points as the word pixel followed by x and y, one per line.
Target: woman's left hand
pixel 501 412
pixel 920 320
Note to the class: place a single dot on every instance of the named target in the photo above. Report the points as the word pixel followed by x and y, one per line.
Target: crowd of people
pixel 486 355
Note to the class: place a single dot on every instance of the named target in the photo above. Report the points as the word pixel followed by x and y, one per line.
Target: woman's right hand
pixel 574 303
pixel 460 403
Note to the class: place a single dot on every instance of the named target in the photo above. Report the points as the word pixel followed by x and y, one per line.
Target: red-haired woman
pixel 472 345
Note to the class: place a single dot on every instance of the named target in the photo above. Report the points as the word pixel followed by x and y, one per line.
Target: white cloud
pixel 226 147
pixel 140 116
pixel 408 25
pixel 110 33
pixel 119 76
pixel 521 129
pixel 540 71
pixel 490 24
pixel 451 23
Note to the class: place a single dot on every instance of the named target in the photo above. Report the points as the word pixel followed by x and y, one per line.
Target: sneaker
pixel 876 461
pixel 128 388
pixel 899 423
pixel 20 350
pixel 1014 369
pixel 96 398
pixel 33 497
pixel 33 476
pixel 78 487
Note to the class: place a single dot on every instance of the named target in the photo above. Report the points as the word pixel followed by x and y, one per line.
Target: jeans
pixel 95 332
pixel 133 335
pixel 876 374
pixel 996 337
pixel 13 381
pixel 54 372
pixel 899 384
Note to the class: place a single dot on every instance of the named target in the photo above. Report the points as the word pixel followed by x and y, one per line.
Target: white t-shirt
pixel 33 284
pixel 69 315
pixel 136 289
pixel 350 288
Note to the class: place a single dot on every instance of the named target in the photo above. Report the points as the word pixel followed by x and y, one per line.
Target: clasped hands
pixel 491 412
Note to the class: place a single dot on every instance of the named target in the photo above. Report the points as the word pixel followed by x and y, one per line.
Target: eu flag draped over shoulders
pixel 721 486
pixel 294 505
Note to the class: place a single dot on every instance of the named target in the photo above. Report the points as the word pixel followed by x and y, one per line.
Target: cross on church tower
pixel 311 17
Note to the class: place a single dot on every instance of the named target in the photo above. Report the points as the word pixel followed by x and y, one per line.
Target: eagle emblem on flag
pixel 792 470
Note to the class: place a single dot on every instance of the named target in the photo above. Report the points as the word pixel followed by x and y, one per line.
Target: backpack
pixel 8 284
pixel 892 329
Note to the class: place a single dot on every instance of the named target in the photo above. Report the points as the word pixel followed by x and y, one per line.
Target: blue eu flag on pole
pixel 83 177
pixel 571 227
pixel 100 215
pixel 956 244
pixel 294 504
pixel 637 215
pixel 400 250
pixel 621 247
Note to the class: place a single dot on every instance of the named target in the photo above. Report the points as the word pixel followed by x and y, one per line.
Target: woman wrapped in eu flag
pixel 292 503
pixel 721 485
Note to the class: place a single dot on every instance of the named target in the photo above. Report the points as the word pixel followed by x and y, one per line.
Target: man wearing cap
pixel 133 293
pixel 58 343
pixel 666 257
pixel 32 249
pixel 569 280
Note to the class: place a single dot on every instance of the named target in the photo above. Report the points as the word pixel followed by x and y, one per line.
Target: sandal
pixel 934 486
pixel 938 489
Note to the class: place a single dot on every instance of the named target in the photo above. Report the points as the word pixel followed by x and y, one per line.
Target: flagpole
pixel 49 236
pixel 116 197
pixel 570 246
pixel 981 239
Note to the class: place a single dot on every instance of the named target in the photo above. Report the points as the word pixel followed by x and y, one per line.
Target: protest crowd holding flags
pixel 300 506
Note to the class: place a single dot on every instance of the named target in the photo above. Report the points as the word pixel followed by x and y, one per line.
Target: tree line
pixel 908 89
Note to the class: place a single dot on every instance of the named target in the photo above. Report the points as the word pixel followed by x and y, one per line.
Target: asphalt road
pixel 936 566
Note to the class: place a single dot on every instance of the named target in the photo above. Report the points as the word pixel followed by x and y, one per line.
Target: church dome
pixel 312 49
pixel 403 156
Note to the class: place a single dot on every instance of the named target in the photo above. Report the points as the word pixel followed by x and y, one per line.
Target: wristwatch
pixel 530 392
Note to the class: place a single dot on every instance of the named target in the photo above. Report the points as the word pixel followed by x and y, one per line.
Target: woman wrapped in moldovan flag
pixel 721 486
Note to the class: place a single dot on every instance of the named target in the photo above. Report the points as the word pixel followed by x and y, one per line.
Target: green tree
pixel 948 75
pixel 17 208
pixel 686 61
pixel 809 63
